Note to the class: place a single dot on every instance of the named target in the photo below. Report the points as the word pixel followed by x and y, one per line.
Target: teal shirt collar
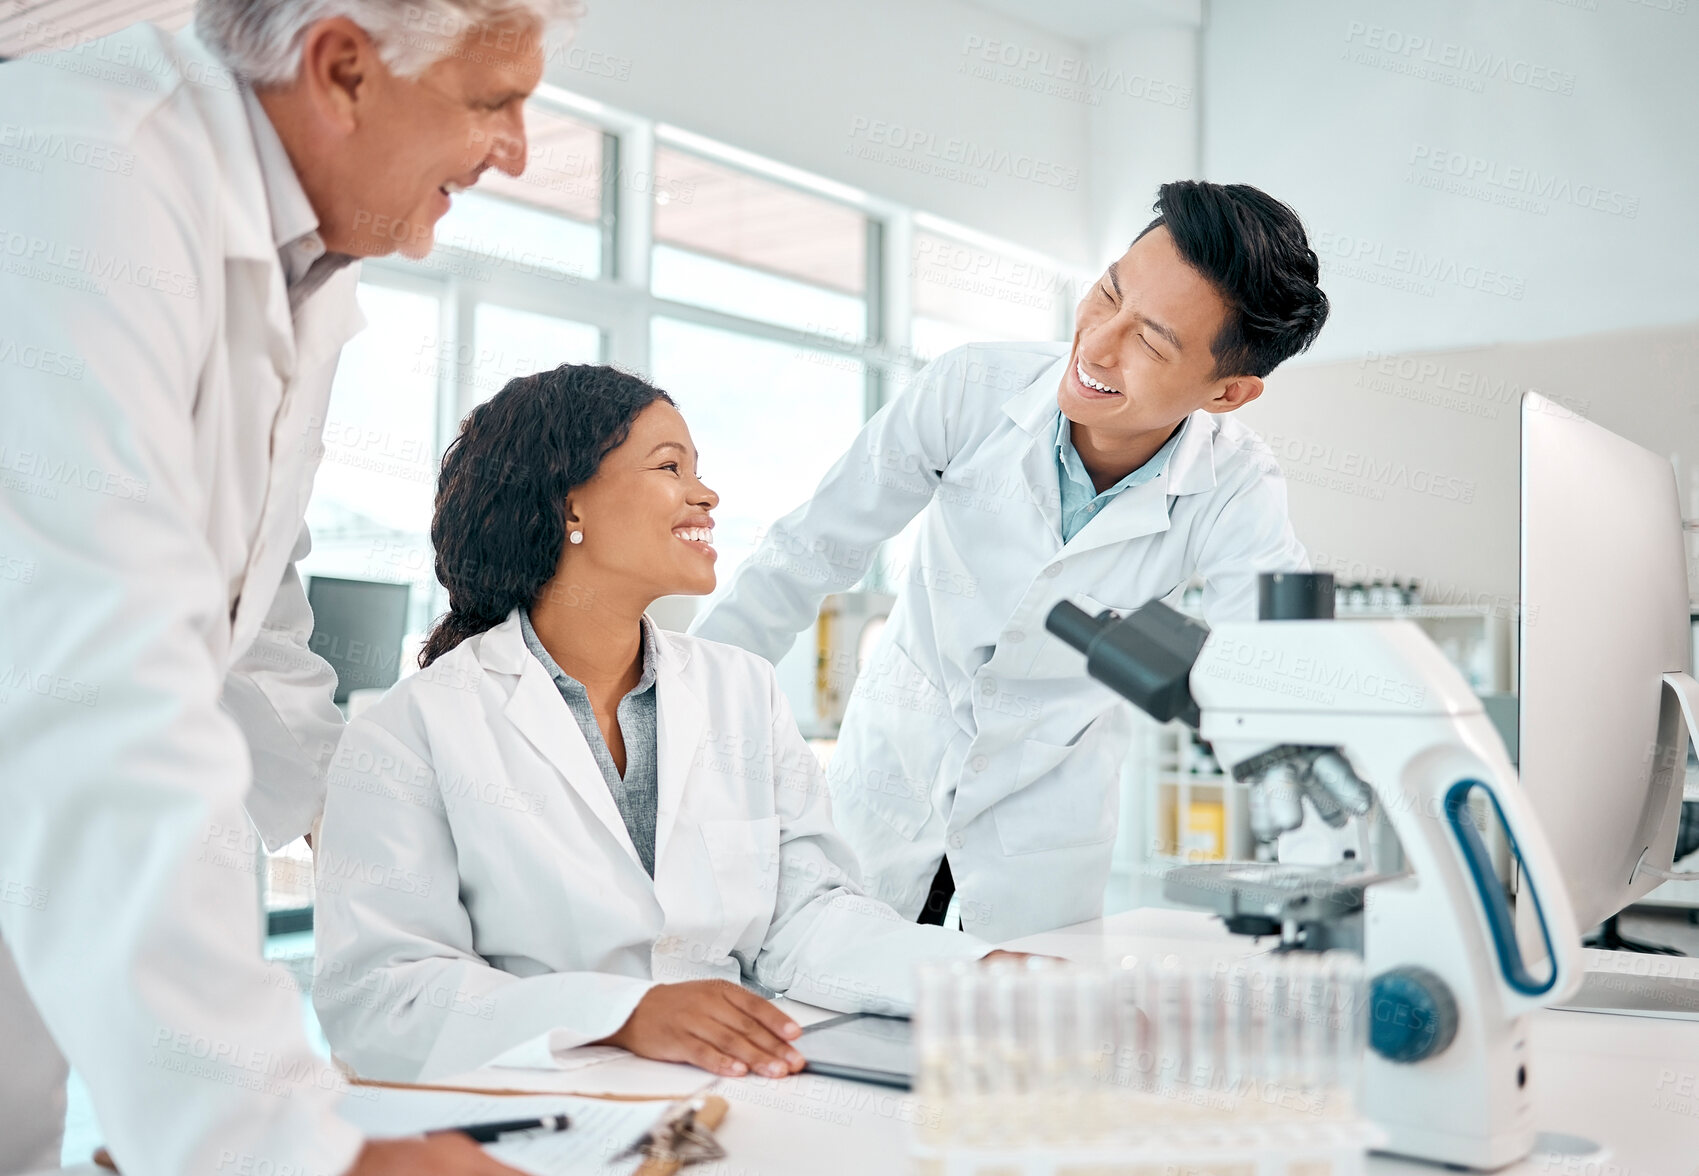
pixel 1080 500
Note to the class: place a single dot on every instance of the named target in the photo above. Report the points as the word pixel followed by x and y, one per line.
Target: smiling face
pixel 381 155
pixel 648 531
pixel 1142 360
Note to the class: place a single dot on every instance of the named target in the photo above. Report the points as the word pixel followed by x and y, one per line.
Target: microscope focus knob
pixel 1412 1015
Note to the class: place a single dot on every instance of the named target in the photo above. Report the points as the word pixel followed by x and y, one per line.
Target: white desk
pixel 1604 1078
pixel 1631 1083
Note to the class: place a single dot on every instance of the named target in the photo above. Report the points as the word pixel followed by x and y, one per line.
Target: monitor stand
pixel 1637 979
pixel 1611 938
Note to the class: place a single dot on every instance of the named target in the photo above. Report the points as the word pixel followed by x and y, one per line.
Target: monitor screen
pixel 358 627
pixel 1604 618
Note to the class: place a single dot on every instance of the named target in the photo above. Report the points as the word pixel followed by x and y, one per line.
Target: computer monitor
pixel 1604 618
pixel 358 627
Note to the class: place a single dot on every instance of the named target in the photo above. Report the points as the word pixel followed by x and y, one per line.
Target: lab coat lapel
pixel 538 712
pixel 1144 510
pixel 248 245
pixel 682 717
pixel 1034 410
pixel 302 353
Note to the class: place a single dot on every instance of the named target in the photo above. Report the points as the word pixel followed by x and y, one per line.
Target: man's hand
pixel 713 1024
pixel 445 1154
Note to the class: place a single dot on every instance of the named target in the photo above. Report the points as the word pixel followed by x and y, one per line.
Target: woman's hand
pixel 713 1024
pixel 991 957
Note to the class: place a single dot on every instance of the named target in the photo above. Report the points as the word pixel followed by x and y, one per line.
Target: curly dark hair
pixel 1253 249
pixel 500 518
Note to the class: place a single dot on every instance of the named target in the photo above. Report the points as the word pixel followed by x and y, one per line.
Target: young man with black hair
pixel 976 755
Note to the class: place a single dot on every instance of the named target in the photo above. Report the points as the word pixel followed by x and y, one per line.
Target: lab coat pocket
pixel 744 856
pixel 1055 658
pixel 902 724
pixel 1068 795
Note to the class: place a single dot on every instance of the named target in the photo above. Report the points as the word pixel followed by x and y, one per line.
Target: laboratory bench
pixel 1628 1083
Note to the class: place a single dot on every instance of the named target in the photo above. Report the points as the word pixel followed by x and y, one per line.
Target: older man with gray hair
pixel 176 285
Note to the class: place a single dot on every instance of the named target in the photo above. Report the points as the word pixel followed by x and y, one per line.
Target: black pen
pixel 490 1132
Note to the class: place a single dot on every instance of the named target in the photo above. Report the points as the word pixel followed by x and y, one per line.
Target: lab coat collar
pixel 292 215
pixel 1191 467
pixel 1144 510
pixel 247 217
pixel 1034 408
pixel 535 707
pixel 502 650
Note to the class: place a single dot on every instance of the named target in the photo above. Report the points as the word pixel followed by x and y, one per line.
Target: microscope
pixel 1366 724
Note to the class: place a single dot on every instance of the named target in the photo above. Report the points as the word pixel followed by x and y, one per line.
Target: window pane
pixel 719 285
pixel 507 237
pixel 773 243
pixel 965 293
pixel 514 343
pixel 289 877
pixel 929 337
pixel 768 419
pixel 563 167
pixel 546 221
pixel 370 513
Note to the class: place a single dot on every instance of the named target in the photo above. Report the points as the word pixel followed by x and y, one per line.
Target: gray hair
pixel 260 40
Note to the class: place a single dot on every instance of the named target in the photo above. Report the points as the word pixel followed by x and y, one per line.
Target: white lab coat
pixel 479 898
pixel 972 729
pixel 162 419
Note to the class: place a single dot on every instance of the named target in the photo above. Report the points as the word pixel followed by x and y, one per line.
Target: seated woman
pixel 570 827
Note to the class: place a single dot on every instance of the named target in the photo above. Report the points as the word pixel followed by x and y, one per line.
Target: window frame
pixel 619 304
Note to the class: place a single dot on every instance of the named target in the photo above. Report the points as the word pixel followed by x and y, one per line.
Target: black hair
pixel 1252 248
pixel 500 517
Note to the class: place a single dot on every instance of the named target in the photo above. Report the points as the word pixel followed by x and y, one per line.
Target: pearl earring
pixel 576 537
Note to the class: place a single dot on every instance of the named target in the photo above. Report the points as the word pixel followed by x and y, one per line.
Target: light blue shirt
pixel 1080 500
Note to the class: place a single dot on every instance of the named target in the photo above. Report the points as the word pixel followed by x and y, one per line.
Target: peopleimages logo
pixel 909 146
pixel 1411 268
pixel 1352 466
pixel 1073 78
pixel 1440 163
pixel 1448 62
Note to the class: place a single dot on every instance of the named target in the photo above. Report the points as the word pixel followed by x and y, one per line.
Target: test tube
pixel 936 1050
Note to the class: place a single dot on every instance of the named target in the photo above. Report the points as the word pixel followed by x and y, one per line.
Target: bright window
pixel 370 514
pixel 768 420
pixel 488 235
pixel 514 343
pixel 750 246
pixel 965 293
pixel 546 221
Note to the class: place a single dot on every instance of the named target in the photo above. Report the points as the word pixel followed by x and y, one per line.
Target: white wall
pixel 1405 465
pixel 1399 432
pixel 1144 129
pixel 1340 107
pixel 1337 106
pixel 879 94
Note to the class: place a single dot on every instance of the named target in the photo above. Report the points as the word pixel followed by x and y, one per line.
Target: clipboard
pixel 684 1134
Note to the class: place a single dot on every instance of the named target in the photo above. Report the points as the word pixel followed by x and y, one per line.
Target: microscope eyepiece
pixel 1074 625
pixel 1146 657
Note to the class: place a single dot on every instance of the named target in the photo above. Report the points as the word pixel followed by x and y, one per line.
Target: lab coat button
pixel 955 841
pixel 988 685
pixel 1014 636
pixel 1053 571
pixel 980 763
